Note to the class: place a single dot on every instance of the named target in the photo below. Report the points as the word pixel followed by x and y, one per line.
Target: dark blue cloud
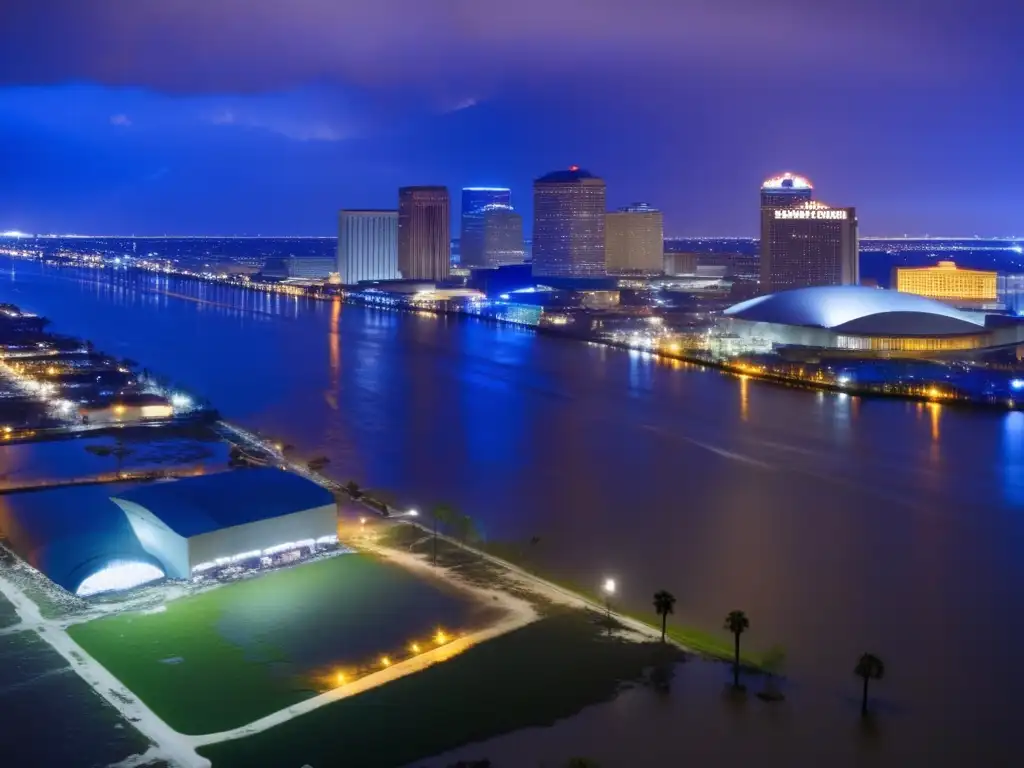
pixel 231 116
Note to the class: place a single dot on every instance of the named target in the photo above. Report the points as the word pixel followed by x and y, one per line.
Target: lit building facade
pixel 634 239
pixel 367 245
pixel 786 191
pixel 804 242
pixel 503 236
pixel 424 233
pixel 946 282
pixel 311 267
pixel 568 224
pixel 475 202
pixel 1010 292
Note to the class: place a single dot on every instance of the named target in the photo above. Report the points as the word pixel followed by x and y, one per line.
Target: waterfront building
pixel 179 529
pixel 367 245
pixel 855 321
pixel 947 282
pixel 1010 292
pixel 675 264
pixel 634 239
pixel 424 233
pixel 804 242
pixel 568 224
pixel 502 236
pixel 311 267
pixel 475 202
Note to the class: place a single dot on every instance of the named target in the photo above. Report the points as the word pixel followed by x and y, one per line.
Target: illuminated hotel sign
pixel 812 213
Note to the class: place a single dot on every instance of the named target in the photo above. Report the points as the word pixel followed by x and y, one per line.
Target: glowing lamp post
pixel 609 589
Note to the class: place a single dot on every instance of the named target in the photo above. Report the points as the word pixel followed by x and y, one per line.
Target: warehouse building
pixel 251 517
pixel 88 542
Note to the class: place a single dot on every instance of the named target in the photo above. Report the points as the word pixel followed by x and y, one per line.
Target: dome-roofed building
pixel 861 320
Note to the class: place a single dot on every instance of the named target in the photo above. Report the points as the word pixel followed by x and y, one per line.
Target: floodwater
pixel 840 525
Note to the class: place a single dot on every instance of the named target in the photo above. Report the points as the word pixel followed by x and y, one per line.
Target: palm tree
pixel 442 514
pixel 737 623
pixel 869 667
pixel 663 604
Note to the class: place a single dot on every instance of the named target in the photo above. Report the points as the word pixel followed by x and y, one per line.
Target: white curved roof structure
pixel 857 309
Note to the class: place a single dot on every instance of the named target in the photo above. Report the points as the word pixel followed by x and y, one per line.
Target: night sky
pixel 266 116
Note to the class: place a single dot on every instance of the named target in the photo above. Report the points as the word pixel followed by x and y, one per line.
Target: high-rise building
pixel 804 242
pixel 634 239
pixel 568 224
pixel 471 238
pixel 786 191
pixel 947 282
pixel 503 236
pixel 424 233
pixel 367 245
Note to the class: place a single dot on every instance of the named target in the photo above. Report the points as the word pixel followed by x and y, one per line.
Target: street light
pixel 413 513
pixel 609 589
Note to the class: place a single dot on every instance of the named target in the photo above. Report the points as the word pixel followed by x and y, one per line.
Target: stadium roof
pixel 573 173
pixel 197 505
pixel 858 309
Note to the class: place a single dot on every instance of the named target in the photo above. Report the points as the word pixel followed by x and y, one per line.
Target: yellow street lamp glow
pixel 440 638
pixel 385 661
pixel 341 678
pixel 415 648
pixel 362 521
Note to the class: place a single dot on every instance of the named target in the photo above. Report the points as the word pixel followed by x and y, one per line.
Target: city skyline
pixel 220 139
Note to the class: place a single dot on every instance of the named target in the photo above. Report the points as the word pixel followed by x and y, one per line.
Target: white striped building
pixel 367 245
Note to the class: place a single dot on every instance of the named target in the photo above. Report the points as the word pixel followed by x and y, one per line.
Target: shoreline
pixel 740 370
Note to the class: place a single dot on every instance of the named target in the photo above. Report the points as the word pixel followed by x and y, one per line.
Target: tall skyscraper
pixel 471 236
pixel 503 236
pixel 424 233
pixel 786 191
pixel 367 245
pixel 804 242
pixel 568 224
pixel 634 239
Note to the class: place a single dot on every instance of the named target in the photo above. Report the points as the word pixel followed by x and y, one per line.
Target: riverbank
pixel 912 391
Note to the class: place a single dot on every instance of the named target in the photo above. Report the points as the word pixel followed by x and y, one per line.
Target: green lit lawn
pixel 534 676
pixel 229 656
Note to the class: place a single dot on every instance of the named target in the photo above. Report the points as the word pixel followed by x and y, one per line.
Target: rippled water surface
pixel 839 525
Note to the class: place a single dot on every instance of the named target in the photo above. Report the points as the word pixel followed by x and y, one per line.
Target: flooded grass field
pixel 533 676
pixel 51 716
pixel 226 657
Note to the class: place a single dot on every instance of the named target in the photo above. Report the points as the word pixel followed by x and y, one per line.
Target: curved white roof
pixel 830 306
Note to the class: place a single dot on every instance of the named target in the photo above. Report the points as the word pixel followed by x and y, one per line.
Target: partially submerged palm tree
pixel 737 623
pixel 869 667
pixel 441 514
pixel 664 602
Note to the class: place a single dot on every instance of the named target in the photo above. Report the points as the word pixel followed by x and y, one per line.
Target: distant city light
pixel 843 380
pixel 181 401
pixel 1017 384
